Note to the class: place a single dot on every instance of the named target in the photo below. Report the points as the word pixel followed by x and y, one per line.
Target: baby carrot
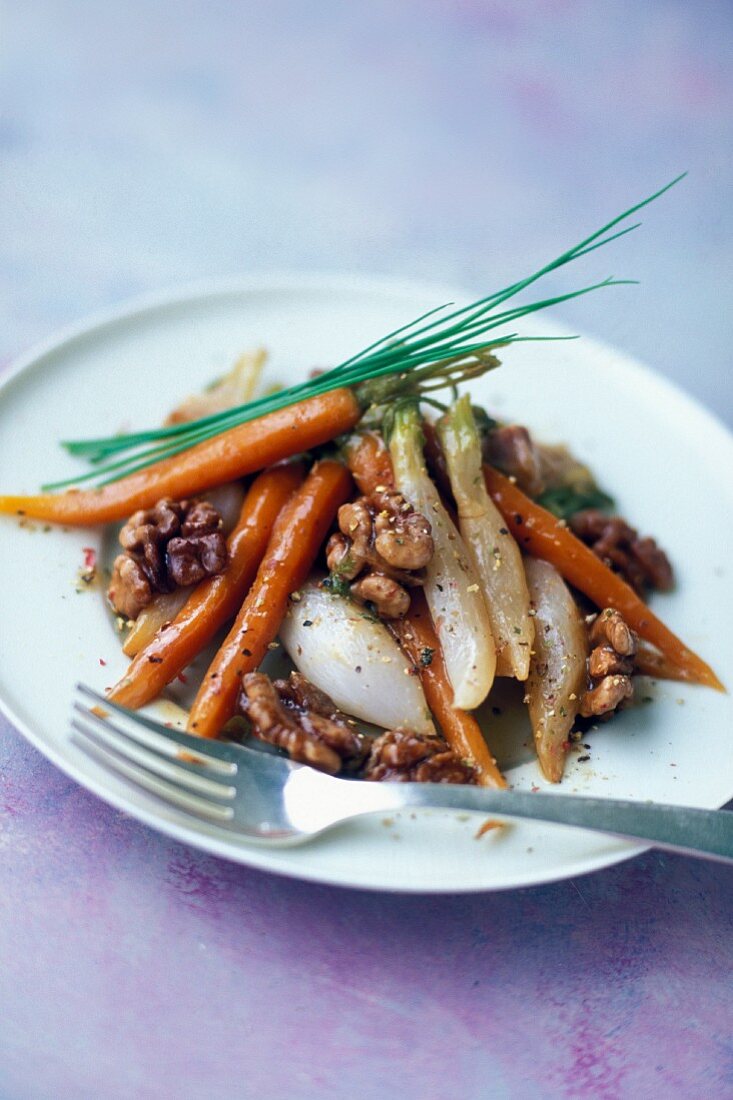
pixel 368 459
pixel 460 729
pixel 295 541
pixel 648 661
pixel 216 599
pixel 539 533
pixel 225 457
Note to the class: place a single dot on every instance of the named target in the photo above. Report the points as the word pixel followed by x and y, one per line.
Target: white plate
pixel 667 462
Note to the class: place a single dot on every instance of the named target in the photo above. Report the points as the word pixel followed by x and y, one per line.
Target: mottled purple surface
pixel 145 144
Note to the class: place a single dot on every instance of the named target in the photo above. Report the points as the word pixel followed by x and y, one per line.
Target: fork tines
pixel 166 762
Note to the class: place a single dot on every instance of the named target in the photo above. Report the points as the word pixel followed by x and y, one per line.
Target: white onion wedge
pixel 557 671
pixel 452 589
pixel 493 552
pixel 355 660
pixel 162 610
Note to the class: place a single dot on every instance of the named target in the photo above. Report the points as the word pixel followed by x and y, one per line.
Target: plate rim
pixel 293 281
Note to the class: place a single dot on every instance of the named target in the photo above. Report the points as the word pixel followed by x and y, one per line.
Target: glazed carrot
pixel 461 730
pixel 216 599
pixel 539 533
pixel 650 662
pixel 295 541
pixel 225 457
pixel 368 459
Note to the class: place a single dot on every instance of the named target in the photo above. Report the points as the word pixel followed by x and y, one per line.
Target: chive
pixel 435 351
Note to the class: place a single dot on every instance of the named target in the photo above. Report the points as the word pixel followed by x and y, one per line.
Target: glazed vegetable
pixel 460 729
pixel 235 388
pixel 493 551
pixel 239 451
pixel 371 466
pixel 353 658
pixel 452 588
pixel 215 600
pixel 369 462
pixel 295 541
pixel 540 534
pixel 557 671
pixel 163 610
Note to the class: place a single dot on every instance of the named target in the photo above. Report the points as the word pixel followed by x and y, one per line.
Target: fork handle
pixel 694 832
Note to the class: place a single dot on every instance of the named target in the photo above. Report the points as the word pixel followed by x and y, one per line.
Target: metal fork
pixel 270 799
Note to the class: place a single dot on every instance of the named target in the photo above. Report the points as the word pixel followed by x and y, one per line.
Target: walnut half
pixel 173 544
pixel 384 542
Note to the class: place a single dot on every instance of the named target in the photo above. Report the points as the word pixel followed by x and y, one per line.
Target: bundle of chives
pixel 435 350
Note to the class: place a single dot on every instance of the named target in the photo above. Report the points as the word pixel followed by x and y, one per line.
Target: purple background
pixel 146 144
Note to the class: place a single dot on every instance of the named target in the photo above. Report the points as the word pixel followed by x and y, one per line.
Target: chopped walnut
pixel 173 544
pixel 384 535
pixel 386 531
pixel 339 558
pixel 410 758
pixel 389 598
pixel 403 537
pixel 610 665
pixel 611 627
pixel 298 718
pixel 349 551
pixel 639 560
pixel 605 661
pixel 194 557
pixel 299 692
pixel 606 697
pixel 129 589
